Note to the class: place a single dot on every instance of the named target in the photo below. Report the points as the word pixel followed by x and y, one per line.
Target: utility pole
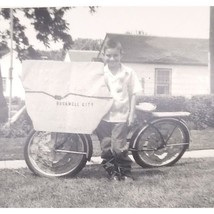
pixel 211 49
pixel 11 63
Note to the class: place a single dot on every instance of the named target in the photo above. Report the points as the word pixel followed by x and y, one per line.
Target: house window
pixel 4 83
pixel 163 81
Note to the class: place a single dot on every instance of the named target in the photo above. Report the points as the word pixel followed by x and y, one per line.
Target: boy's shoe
pixel 126 175
pixel 111 170
pixel 108 166
pixel 117 173
pixel 127 178
pixel 115 177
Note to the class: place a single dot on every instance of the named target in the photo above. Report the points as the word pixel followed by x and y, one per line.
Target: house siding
pixel 17 88
pixel 185 80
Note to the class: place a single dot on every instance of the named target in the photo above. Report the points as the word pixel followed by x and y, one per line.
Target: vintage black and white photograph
pixel 107 106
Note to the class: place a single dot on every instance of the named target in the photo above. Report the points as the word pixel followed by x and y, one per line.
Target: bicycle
pixel 160 139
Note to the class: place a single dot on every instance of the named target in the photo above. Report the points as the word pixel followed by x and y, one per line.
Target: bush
pixel 3 110
pixel 20 128
pixel 202 110
pixel 200 107
pixel 16 101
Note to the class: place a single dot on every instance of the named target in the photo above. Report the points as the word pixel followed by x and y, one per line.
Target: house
pixel 164 65
pixel 80 56
pixel 167 66
pixel 5 64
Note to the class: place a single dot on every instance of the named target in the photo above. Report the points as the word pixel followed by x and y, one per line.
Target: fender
pixel 89 146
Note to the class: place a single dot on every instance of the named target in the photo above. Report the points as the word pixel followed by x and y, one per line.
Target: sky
pixel 166 21
pixel 185 22
pixel 192 21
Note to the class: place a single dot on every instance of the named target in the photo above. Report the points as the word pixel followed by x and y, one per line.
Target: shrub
pixel 20 128
pixel 200 107
pixel 16 101
pixel 202 110
pixel 3 110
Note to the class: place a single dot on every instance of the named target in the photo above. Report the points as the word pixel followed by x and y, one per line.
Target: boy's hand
pixel 132 110
pixel 131 120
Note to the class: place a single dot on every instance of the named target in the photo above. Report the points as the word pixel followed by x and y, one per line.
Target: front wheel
pixel 55 154
pixel 161 143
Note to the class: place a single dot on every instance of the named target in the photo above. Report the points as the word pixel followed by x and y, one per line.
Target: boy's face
pixel 112 57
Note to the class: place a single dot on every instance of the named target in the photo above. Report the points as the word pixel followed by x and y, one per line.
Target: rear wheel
pixel 55 154
pixel 161 143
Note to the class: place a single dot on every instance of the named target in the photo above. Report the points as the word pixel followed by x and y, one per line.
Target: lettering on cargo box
pixel 74 104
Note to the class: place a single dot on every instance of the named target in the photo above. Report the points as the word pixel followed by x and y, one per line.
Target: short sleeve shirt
pixel 122 86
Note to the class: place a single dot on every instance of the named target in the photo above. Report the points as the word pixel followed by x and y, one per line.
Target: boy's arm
pixel 132 110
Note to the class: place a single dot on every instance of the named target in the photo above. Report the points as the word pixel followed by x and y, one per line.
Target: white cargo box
pixel 68 97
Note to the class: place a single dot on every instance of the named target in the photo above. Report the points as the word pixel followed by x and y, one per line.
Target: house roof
pixel 161 50
pixel 82 55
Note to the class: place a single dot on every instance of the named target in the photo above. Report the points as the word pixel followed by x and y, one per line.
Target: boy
pixel 112 131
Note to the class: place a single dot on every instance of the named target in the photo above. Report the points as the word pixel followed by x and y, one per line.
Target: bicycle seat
pixel 146 107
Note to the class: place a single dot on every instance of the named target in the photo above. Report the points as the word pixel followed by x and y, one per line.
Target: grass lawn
pixel 188 184
pixel 12 148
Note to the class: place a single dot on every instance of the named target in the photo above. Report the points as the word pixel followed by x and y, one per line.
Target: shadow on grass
pixel 97 172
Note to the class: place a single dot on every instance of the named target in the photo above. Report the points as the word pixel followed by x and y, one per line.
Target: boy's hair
pixel 111 43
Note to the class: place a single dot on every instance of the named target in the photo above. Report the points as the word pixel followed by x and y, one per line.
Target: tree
pixel 57 55
pixel 87 44
pixel 49 24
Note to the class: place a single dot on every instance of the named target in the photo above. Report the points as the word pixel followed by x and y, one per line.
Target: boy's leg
pixel 104 135
pixel 120 148
pixel 103 132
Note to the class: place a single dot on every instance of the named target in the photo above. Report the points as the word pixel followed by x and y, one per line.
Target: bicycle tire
pixel 59 159
pixel 149 148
